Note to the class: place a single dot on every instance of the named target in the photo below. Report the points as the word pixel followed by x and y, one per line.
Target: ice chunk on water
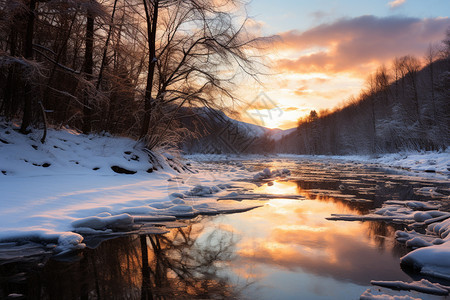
pixel 232 194
pixel 417 242
pixel 139 210
pixel 161 205
pixel 267 174
pixel 178 201
pixel 202 190
pixel 99 223
pixel 428 192
pixel 376 295
pixel 176 195
pixel 181 208
pixel 423 286
pixel 434 258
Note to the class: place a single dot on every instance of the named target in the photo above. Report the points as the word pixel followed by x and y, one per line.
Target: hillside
pixel 410 113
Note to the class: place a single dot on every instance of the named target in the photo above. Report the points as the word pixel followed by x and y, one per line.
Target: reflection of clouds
pixel 294 236
pixel 300 237
pixel 251 272
pixel 335 255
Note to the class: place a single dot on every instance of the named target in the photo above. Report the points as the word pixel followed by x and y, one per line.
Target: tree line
pixel 405 106
pixel 121 66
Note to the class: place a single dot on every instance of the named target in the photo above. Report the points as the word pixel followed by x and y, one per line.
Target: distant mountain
pixel 218 133
pixel 277 134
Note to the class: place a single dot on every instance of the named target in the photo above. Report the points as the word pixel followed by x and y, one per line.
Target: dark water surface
pixel 285 249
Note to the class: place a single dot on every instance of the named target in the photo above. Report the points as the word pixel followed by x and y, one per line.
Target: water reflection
pixel 357 252
pixel 171 266
pixel 179 267
pixel 292 239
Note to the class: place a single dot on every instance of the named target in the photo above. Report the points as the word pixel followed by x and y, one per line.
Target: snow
pixel 432 256
pixel 423 286
pixel 401 212
pixel 432 260
pixel 271 174
pixel 99 223
pixel 58 192
pixel 429 161
pixel 373 295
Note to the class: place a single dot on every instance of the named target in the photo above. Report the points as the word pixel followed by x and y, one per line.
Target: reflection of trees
pixel 169 266
pixel 181 268
pixel 383 235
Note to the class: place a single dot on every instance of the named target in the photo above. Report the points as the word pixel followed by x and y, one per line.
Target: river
pixel 285 249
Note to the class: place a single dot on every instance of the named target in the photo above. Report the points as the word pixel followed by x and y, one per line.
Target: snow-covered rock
pixel 432 259
pixel 269 174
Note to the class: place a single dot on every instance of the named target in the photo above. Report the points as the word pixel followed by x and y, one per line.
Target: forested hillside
pixel 403 107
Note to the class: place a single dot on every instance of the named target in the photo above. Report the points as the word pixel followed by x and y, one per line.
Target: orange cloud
pixel 290 109
pixel 355 45
pixel 303 90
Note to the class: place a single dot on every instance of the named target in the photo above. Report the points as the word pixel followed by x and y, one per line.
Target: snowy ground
pixel 69 187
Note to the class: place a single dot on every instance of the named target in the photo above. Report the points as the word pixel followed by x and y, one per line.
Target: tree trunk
pixel 28 54
pixel 374 127
pixel 88 70
pixel 152 21
pixel 105 50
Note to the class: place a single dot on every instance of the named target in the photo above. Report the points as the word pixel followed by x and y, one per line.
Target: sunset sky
pixel 328 48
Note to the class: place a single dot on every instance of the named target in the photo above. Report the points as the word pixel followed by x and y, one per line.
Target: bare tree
pixel 198 57
pixel 430 58
pixel 28 54
pixel 412 67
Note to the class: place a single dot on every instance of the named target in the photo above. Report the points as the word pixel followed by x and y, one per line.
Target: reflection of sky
pixel 288 247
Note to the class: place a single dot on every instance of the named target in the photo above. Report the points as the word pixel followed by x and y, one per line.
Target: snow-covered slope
pixel 68 152
pixel 74 184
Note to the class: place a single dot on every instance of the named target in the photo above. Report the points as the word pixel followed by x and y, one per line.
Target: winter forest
pixel 123 67
pixel 164 72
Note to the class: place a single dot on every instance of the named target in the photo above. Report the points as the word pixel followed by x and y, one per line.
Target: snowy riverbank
pixel 75 185
pixel 425 161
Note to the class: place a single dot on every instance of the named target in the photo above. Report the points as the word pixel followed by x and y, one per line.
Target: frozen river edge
pixel 57 192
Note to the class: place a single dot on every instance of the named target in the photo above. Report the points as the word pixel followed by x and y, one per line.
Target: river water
pixel 285 249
